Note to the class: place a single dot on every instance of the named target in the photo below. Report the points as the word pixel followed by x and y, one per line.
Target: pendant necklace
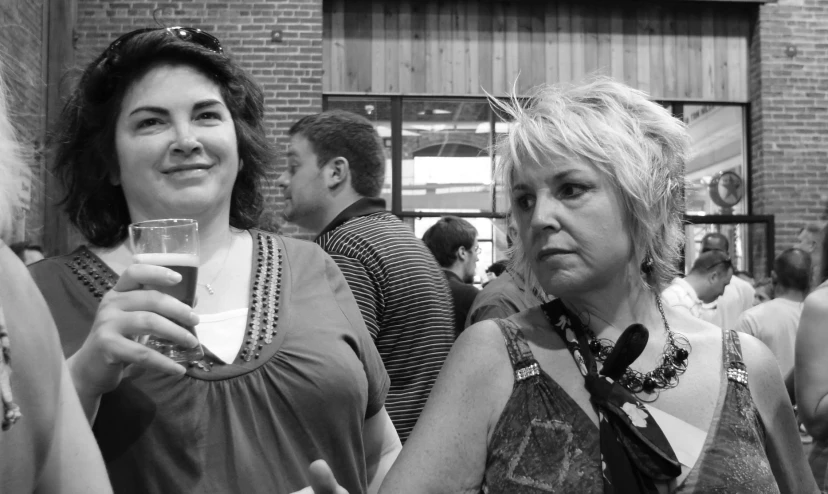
pixel 209 286
pixel 672 363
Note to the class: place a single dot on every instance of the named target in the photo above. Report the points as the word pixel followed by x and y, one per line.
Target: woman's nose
pixel 186 142
pixel 546 213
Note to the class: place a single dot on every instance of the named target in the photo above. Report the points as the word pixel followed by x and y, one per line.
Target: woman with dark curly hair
pixel 163 124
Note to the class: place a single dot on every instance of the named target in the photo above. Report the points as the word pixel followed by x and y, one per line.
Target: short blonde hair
pixel 14 166
pixel 634 142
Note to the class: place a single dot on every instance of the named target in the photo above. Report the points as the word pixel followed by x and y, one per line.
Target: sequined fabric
pixel 544 441
pixel 11 412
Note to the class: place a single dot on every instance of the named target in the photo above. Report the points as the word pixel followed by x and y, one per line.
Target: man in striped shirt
pixel 336 168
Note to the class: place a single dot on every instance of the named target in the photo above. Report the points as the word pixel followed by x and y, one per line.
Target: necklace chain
pixel 672 363
pixel 209 286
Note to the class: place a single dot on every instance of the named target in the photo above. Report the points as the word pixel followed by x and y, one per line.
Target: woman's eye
pixel 209 115
pixel 148 122
pixel 573 190
pixel 525 202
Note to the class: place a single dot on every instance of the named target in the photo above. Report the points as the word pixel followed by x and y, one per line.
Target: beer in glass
pixel 173 244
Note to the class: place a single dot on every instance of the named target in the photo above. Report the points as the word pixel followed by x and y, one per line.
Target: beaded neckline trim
pixel 263 319
pixel 92 273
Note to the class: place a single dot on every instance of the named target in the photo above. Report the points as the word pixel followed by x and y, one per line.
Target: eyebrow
pixel 199 105
pixel 561 175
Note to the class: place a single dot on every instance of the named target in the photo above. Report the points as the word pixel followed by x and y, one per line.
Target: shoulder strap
pixel 732 358
pixel 519 352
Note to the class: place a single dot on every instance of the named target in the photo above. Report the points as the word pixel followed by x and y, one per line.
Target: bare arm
pixel 74 464
pixel 811 366
pixel 447 450
pixel 782 445
pixel 382 446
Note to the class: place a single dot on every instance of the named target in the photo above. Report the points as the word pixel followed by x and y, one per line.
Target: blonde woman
pixel 46 445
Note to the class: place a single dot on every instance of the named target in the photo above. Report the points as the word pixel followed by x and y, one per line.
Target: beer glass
pixel 173 244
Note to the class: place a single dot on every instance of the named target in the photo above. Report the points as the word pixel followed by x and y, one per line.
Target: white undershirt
pixel 223 333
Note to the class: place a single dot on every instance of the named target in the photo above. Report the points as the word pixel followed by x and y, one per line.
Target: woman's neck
pixel 609 310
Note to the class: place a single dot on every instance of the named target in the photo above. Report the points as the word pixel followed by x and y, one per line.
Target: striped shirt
pixel 403 297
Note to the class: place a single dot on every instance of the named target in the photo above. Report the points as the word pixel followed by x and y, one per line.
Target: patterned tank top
pixel 545 442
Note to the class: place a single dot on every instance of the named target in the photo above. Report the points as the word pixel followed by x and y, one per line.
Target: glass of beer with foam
pixel 173 244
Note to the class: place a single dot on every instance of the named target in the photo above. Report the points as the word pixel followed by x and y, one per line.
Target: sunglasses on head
pixel 190 34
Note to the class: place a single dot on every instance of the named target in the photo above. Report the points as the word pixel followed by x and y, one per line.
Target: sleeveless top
pixel 545 442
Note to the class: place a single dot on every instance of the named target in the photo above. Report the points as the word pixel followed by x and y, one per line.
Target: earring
pixel 647 264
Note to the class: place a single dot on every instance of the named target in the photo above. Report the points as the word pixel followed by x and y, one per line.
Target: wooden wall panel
pixel 681 51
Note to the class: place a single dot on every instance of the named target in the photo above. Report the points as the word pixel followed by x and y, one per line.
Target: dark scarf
pixel 634 452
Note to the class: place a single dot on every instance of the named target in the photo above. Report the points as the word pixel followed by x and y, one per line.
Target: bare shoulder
pixel 757 356
pixel 764 377
pixel 816 303
pixel 477 376
pixel 481 348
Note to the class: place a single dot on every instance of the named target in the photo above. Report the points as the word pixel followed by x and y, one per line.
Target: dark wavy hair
pixel 84 139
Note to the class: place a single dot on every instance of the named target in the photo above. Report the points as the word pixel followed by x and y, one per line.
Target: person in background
pixel 810 239
pixel 745 275
pixel 507 294
pixel 763 291
pixel 707 280
pixel 332 186
pixel 27 252
pixel 453 241
pixel 775 323
pixel 46 445
pixel 495 269
pixel 811 371
pixel 164 124
pixel 737 296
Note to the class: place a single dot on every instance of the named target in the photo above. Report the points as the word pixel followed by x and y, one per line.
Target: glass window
pixel 378 111
pixel 717 169
pixel 446 166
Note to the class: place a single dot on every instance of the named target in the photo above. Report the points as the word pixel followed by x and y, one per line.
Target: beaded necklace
pixel 672 363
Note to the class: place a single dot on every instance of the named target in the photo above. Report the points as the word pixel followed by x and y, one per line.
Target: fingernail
pixel 194 319
pixel 173 276
pixel 180 370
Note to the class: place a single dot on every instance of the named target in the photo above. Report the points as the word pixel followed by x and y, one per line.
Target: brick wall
pixel 21 56
pixel 789 112
pixel 290 72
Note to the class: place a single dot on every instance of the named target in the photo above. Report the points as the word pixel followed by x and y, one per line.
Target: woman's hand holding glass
pixel 127 313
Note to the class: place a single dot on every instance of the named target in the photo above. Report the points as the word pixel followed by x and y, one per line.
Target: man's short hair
pixel 793 269
pixel 336 133
pixel 446 236
pixel 711 260
pixel 715 241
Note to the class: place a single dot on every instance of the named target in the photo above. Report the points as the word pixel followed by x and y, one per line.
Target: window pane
pixel 491 236
pixel 717 169
pixel 446 164
pixel 378 111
